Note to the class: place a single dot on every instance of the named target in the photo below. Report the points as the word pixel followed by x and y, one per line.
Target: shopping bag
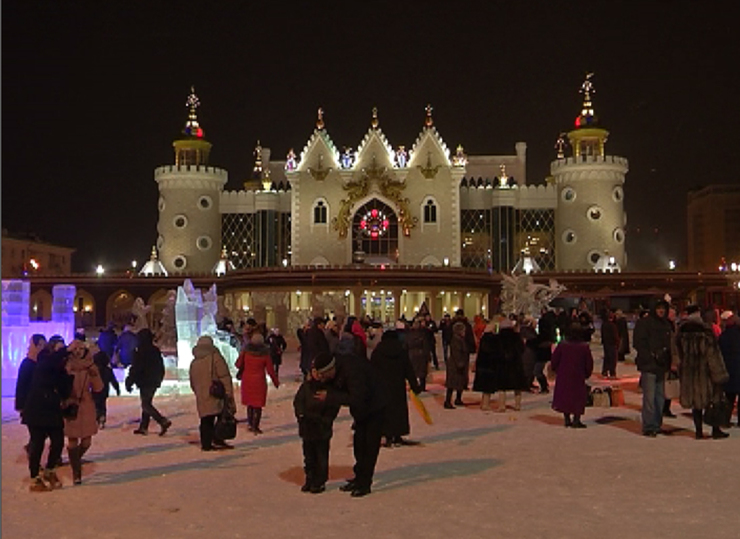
pixel 672 387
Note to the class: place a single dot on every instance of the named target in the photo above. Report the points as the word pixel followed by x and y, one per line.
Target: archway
pixel 84 309
pixel 118 307
pixel 41 301
pixel 375 233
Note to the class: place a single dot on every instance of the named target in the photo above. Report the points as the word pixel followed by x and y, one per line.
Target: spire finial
pixel 320 119
pixel 429 122
pixel 503 180
pixel 153 256
pixel 192 127
pixel 587 88
pixel 560 145
pixel 258 161
pixel 375 122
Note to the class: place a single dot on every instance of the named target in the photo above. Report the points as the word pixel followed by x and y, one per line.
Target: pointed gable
pixel 374 144
pixel 319 147
pixel 429 142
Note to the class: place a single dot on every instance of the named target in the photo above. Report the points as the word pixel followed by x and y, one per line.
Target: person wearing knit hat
pixel 653 341
pixel 315 422
pixel 254 365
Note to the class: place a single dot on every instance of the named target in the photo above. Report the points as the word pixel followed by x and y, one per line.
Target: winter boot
pixel 485 403
pixel 501 402
pixel 458 399
pixel 250 418
pixel 256 420
pixel 518 401
pixel 38 485
pixel 75 462
pixel 50 476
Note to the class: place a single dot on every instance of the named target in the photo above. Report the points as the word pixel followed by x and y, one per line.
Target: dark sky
pixel 93 95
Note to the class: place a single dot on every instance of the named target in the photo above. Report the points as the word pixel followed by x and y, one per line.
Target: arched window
pixel 320 213
pixel 430 211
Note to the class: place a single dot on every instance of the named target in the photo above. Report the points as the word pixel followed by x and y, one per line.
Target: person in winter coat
pixel 393 368
pixel 42 413
pixel 315 422
pixel 354 327
pixel 458 363
pixel 253 365
pixel 485 379
pixel 653 336
pixel 147 373
pixel 332 336
pixel 277 345
pixel 624 335
pixel 126 346
pixel 313 343
pixel 79 430
pixel 531 339
pixel 508 366
pixel 431 326
pixel 25 375
pixel 729 344
pixel 107 340
pixel 102 361
pixel 610 342
pixel 701 369
pixel 356 385
pixel 417 343
pixel 208 365
pixel 445 329
pixel 573 363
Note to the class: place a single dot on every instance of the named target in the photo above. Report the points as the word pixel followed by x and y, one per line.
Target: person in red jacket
pixel 253 365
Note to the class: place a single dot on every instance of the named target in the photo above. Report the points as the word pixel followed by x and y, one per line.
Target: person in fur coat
pixel 208 365
pixel 701 369
pixel 80 430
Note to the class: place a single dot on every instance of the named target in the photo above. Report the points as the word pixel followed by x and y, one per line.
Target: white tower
pixel 189 224
pixel 590 218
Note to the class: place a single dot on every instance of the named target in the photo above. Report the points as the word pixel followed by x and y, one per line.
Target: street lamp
pixel 134 264
pixel 671 265
pixel 100 270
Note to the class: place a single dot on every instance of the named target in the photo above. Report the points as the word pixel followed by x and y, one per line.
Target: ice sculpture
pixel 139 310
pixel 188 308
pixel 210 308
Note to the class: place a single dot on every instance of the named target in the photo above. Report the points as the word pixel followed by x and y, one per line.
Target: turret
pixel 590 218
pixel 189 223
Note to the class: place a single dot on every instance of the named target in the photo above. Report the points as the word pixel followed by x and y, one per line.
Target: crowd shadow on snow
pixel 415 474
pixel 223 460
pixel 464 436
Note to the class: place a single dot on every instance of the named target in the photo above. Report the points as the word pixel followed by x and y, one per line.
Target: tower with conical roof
pixel 189 226
pixel 590 218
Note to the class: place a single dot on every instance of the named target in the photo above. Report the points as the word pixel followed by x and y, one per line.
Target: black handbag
pixel 71 410
pixel 716 413
pixel 217 389
pixel 225 428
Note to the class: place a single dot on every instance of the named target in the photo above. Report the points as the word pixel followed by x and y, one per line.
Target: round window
pixel 619 235
pixel 180 262
pixel 569 236
pixel 594 257
pixel 205 202
pixel 180 221
pixel 160 243
pixel 568 194
pixel 618 193
pixel 594 213
pixel 204 243
pixel 161 204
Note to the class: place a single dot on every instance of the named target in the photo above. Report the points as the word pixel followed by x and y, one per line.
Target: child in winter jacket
pixel 315 422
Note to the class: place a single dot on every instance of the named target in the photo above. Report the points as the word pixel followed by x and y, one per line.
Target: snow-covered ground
pixel 475 474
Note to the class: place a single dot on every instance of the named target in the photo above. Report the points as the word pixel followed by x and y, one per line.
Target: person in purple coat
pixel 573 363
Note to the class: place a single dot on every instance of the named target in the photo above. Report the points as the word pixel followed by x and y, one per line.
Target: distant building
pixel 376 204
pixel 714 227
pixel 26 256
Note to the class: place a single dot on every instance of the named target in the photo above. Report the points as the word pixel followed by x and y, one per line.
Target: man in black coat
pixel 445 328
pixel 25 374
pixel 610 342
pixel 391 362
pixel 653 335
pixel 313 343
pixel 356 385
pixel 147 373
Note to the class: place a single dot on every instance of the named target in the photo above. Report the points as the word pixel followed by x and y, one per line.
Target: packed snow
pixel 475 474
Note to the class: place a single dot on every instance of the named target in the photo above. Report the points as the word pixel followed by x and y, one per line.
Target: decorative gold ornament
pixel 389 187
pixel 320 119
pixel 460 159
pixel 375 122
pixel 428 121
pixel 429 171
pixel 319 173
pixel 560 145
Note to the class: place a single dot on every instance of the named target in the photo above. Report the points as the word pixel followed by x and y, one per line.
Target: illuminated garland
pixel 374 224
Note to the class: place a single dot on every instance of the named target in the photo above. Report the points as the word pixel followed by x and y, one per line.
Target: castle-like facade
pixel 381 204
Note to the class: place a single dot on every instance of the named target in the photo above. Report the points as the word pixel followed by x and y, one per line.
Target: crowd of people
pixel 62 389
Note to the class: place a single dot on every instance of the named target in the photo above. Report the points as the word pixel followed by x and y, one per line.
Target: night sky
pixel 93 95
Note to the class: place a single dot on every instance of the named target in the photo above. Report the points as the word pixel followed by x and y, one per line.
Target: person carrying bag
pixel 210 380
